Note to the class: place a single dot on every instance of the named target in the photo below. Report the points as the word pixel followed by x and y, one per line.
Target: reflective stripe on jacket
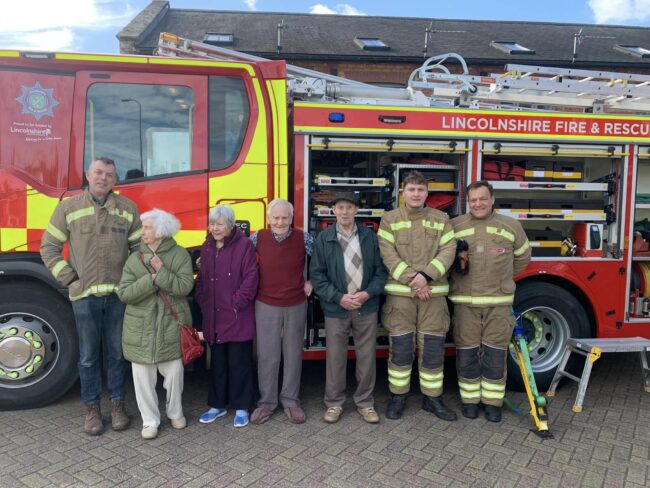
pixel 498 251
pixel 416 240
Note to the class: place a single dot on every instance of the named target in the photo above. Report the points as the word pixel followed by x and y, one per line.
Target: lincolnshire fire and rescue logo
pixel 37 101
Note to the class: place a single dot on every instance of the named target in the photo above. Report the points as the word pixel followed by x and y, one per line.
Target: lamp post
pixel 140 131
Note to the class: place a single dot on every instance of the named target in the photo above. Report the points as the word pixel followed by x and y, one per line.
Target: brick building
pixel 385 50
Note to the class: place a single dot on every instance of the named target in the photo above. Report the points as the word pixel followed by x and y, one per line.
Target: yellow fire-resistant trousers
pixel 482 335
pixel 410 321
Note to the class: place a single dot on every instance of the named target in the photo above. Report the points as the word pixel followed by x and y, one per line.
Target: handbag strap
pixel 169 306
pixel 164 297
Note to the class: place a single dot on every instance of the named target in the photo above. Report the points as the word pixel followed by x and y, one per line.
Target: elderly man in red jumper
pixel 281 312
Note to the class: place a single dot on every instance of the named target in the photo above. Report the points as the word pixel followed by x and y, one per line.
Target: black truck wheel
pixel 38 345
pixel 551 315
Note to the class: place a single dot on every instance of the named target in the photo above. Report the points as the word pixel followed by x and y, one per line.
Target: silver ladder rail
pixel 611 89
pixel 521 87
pixel 537 87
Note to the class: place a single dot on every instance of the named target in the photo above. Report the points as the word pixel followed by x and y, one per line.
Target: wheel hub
pixel 546 332
pixel 22 349
pixel 534 330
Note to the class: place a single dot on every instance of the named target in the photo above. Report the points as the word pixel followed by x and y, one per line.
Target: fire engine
pixel 567 152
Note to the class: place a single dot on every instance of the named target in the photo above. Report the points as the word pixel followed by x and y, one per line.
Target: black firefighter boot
pixel 470 410
pixel 436 406
pixel 396 407
pixel 493 413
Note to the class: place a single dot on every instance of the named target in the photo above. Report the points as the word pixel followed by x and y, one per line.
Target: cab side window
pixel 146 129
pixel 228 120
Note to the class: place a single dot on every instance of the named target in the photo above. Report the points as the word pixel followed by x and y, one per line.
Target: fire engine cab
pixel 567 152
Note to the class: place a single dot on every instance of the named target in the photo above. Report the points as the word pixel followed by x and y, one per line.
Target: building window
pixel 371 44
pixel 511 47
pixel 638 51
pixel 219 38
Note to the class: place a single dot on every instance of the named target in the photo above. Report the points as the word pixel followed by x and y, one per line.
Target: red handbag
pixel 191 347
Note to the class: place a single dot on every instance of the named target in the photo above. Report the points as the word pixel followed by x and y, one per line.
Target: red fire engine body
pixel 187 133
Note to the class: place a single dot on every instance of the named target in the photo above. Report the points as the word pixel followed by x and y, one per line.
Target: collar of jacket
pixel 331 232
pixel 108 204
pixel 414 213
pixel 164 246
pixel 234 236
pixel 492 215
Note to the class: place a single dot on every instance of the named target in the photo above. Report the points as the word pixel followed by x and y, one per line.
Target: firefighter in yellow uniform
pixel 417 246
pixel 482 296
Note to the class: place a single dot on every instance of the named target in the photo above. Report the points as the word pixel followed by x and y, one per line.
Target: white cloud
pixel 339 9
pixel 251 4
pixel 54 25
pixel 46 40
pixel 319 8
pixel 347 9
pixel 608 11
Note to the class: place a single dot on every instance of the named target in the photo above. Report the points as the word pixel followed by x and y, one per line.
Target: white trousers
pixel 145 377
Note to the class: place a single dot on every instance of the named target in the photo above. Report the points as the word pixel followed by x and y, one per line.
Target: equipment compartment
pixel 565 185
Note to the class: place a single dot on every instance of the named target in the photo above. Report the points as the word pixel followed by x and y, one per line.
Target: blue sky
pixel 91 25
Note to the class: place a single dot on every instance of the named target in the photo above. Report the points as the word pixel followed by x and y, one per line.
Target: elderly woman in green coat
pixel 150 335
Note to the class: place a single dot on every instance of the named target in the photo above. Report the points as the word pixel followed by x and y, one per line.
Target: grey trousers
pixel 337 333
pixel 145 377
pixel 280 336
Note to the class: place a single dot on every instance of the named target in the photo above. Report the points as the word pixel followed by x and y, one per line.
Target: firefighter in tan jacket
pixel 417 246
pixel 99 228
pixel 498 250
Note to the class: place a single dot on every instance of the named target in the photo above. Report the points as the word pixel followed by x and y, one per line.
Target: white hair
pixel 224 211
pixel 164 224
pixel 280 201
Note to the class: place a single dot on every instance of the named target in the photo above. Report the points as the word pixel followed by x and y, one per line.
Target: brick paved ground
pixel 606 445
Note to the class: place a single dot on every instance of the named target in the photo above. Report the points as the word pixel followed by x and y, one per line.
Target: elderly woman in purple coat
pixel 225 290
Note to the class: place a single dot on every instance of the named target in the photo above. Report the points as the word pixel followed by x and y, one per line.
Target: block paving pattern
pixel 607 445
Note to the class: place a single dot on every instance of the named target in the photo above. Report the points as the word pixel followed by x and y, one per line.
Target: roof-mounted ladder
pixel 522 87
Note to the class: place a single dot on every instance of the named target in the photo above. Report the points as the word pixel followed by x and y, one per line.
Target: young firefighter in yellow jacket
pixel 483 297
pixel 417 246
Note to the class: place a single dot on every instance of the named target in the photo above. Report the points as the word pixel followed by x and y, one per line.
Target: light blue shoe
pixel 212 415
pixel 241 418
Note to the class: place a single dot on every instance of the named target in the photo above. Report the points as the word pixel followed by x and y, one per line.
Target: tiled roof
pixel 309 36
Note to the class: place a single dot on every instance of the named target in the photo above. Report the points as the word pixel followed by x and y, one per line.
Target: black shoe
pixel 436 406
pixel 470 410
pixel 396 407
pixel 492 413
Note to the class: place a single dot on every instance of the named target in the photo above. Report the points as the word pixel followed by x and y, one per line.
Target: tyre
pixel 38 345
pixel 551 315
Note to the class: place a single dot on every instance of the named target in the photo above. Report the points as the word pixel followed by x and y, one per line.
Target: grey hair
pixel 224 211
pixel 164 224
pixel 279 201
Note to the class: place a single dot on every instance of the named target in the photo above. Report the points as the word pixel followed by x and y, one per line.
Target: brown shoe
pixel 296 414
pixel 261 415
pixel 119 418
pixel 333 414
pixel 93 423
pixel 369 415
